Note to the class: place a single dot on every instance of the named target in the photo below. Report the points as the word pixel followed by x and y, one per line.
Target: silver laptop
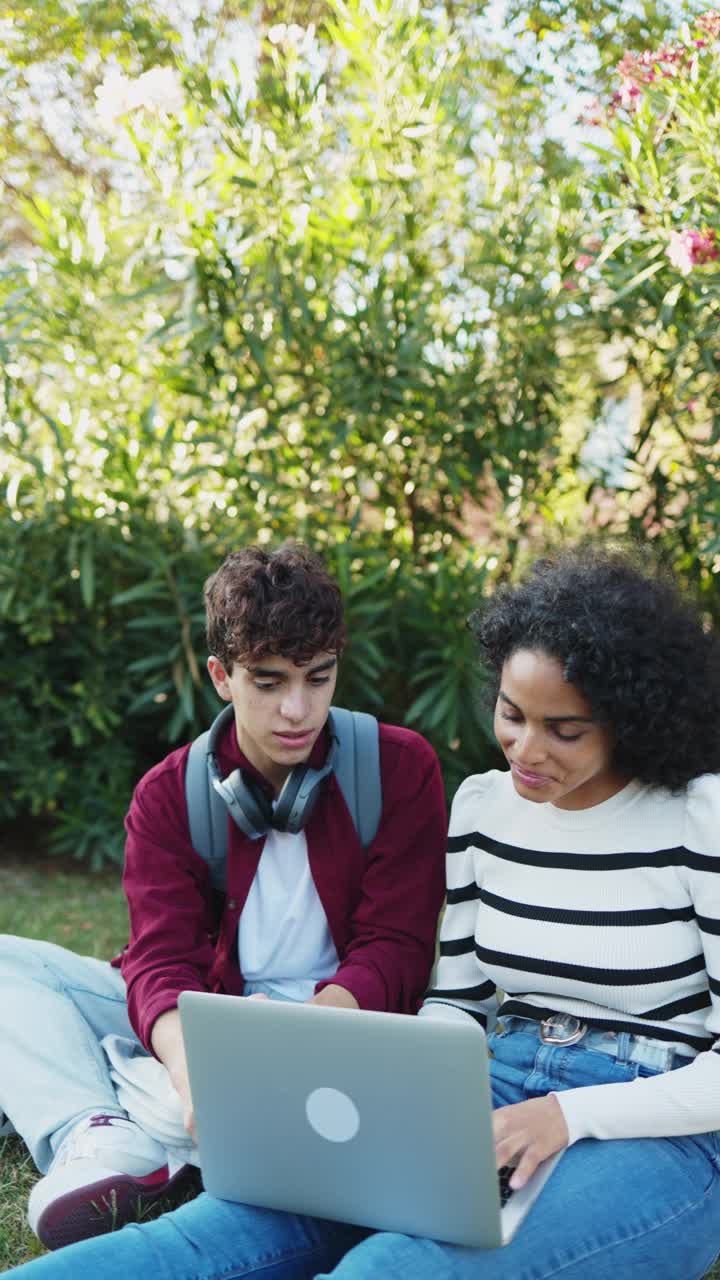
pixel 382 1120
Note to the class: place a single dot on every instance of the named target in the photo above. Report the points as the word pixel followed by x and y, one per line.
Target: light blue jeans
pixel 55 1008
pixel 610 1210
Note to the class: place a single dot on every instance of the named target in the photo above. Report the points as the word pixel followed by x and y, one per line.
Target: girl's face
pixel 557 753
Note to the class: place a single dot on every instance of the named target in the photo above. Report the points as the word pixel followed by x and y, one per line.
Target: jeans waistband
pixel 658 1055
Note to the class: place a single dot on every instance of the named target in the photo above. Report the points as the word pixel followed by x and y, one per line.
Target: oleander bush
pixel 325 271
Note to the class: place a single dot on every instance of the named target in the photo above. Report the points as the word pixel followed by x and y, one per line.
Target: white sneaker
pixel 105 1173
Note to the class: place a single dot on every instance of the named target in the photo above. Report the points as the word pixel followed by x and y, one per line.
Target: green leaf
pixel 669 301
pixel 87 572
pixel 147 697
pixel 420 707
pixel 632 285
pixel 141 591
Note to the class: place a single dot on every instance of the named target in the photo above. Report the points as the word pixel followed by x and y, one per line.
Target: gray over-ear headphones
pixel 250 807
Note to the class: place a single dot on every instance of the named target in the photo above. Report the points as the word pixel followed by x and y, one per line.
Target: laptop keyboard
pixel 504 1176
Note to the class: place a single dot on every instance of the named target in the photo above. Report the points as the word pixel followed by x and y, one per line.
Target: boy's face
pixel 280 708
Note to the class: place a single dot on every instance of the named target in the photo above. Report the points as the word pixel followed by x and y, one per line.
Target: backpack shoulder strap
pixel 207 812
pixel 358 769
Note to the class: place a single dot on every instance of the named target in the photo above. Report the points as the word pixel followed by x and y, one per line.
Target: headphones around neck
pixel 249 806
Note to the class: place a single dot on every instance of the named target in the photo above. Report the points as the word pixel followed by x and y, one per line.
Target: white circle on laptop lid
pixel 332 1114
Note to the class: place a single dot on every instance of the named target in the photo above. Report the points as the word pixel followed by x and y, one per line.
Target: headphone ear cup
pixel 287 816
pixel 250 809
pixel 301 789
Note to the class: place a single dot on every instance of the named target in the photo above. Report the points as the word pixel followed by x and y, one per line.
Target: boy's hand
pixel 167 1042
pixel 335 996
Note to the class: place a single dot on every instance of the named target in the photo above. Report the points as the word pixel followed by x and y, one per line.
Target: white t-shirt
pixel 283 934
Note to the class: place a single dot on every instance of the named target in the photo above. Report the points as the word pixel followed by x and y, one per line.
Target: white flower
pixel 95 236
pixel 295 36
pixel 299 216
pixel 113 96
pixel 292 36
pixel 159 89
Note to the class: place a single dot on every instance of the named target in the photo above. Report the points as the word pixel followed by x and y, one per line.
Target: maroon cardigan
pixel 381 904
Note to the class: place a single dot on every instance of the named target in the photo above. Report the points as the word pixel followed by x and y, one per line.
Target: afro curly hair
pixel 631 643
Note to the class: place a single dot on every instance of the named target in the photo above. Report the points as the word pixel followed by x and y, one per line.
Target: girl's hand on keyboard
pixel 526 1133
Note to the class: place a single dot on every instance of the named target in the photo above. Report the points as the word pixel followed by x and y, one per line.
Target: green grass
pixel 40 898
pixel 43 899
pixel 17 1175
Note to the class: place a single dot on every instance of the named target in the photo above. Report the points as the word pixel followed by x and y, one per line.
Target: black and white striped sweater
pixel 610 913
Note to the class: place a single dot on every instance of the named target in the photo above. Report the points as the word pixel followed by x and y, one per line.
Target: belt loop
pixel 624 1046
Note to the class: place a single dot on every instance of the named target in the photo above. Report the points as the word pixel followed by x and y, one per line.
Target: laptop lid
pixel 382 1120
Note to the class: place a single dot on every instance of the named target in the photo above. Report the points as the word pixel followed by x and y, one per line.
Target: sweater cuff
pixel 159 1004
pixel 574 1113
pixel 618 1109
pixel 364 984
pixel 445 1012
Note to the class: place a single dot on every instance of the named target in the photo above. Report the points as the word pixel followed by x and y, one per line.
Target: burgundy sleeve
pixel 166 883
pixel 391 948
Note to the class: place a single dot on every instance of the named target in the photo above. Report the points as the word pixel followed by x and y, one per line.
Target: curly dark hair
pixel 280 601
pixel 631 643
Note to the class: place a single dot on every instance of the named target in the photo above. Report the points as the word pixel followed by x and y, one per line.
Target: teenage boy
pixel 310 916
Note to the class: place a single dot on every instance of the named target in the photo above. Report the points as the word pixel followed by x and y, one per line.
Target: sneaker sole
pixel 110 1204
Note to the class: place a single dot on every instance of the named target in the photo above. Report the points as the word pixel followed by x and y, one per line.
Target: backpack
pixel 357 771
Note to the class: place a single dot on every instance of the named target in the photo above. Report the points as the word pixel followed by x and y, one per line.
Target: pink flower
pixel 570 284
pixel 691 248
pixel 583 261
pixel 629 91
pixel 638 69
pixel 692 405
pixel 680 251
pixel 592 115
pixel 710 23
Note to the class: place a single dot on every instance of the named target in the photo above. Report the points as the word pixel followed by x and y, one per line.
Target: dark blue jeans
pixel 610 1210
